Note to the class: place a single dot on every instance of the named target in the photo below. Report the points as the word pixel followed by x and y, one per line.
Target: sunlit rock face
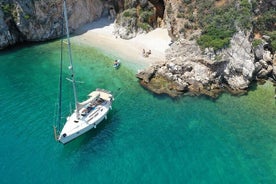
pixel 40 20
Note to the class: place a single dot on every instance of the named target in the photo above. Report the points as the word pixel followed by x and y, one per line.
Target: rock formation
pixel 39 20
pixel 209 73
pixel 189 69
pixel 138 16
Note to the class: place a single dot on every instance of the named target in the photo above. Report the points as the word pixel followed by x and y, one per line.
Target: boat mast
pixel 71 61
pixel 60 86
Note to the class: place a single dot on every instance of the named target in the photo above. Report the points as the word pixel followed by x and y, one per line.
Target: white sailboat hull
pixel 74 127
pixel 86 126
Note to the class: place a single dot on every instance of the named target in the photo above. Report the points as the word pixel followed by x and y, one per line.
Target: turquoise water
pixel 146 138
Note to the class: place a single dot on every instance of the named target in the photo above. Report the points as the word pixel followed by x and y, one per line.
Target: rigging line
pixel 60 89
pixel 75 81
pixel 60 77
pixel 55 115
pixel 118 95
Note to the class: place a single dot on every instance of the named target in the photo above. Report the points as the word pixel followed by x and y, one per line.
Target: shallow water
pixel 146 138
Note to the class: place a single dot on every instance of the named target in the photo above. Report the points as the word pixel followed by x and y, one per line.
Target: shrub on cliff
pixel 266 21
pixel 130 13
pixel 272 36
pixel 215 38
pixel 221 22
pixel 145 15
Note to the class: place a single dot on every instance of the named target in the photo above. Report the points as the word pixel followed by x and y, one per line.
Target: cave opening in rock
pixel 160 7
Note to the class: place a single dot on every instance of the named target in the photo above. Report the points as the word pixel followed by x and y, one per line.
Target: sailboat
pixel 87 114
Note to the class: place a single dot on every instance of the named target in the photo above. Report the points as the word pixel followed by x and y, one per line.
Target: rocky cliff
pixel 40 20
pixel 138 16
pixel 218 46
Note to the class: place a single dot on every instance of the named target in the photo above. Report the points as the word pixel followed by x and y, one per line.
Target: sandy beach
pixel 99 34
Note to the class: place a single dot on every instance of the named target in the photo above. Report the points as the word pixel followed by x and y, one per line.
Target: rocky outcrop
pixel 42 20
pixel 138 16
pixel 265 61
pixel 188 71
pixel 274 67
pixel 8 33
pixel 209 73
pixel 239 72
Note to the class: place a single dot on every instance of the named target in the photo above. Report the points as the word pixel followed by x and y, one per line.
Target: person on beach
pixel 146 54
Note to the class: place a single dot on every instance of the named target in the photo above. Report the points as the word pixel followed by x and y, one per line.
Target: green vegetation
pixel 273 45
pixel 264 24
pixel 244 19
pixel 27 16
pixel 7 8
pixel 266 21
pixel 216 38
pixel 218 28
pixel 146 18
pixel 256 42
pixel 221 22
pixel 186 1
pixel 130 13
pixel 272 35
pixel 180 15
pixel 145 15
pixel 144 26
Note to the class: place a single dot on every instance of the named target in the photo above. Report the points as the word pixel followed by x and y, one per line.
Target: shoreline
pixel 100 34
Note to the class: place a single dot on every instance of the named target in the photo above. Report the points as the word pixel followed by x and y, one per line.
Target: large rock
pixel 239 71
pixel 146 75
pixel 126 26
pixel 259 50
pixel 43 20
pixel 274 72
pixel 267 56
pixel 137 17
pixel 274 67
pixel 7 34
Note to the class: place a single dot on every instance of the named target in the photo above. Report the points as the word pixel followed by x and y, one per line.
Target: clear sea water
pixel 146 138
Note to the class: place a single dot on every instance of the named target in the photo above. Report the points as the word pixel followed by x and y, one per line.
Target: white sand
pixel 99 34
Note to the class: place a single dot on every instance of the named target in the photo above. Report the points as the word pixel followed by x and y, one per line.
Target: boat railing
pixel 94 114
